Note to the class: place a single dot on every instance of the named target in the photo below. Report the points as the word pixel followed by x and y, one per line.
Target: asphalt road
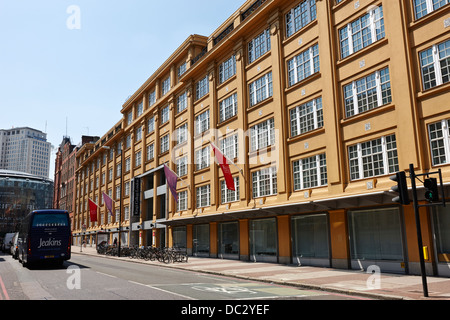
pixel 96 278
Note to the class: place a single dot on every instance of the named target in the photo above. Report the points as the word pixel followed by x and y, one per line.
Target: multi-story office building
pixel 25 150
pixel 317 103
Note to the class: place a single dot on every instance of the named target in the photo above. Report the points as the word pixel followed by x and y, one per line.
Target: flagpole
pixel 231 162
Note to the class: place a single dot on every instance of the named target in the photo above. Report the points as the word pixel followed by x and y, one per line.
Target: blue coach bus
pixel 45 236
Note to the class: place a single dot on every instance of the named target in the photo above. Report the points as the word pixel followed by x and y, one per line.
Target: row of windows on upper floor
pixel 364 94
pixel 368 159
pixel 357 35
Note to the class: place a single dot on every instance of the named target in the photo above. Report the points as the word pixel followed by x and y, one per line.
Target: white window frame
pixel 261 89
pixel 181 166
pixel 350 38
pixel 309 112
pixel 182 133
pixel 228 196
pixel 440 135
pixel 358 158
pixel 202 158
pixel 182 201
pixel 296 19
pixel 165 87
pixel 228 108
pixel 230 146
pixel 429 8
pixel 202 122
pixel 258 179
pixel 203 194
pixel 151 151
pixel 164 143
pixel 351 93
pixel 436 64
pixel 262 135
pixel 259 45
pixel 165 114
pixel 182 102
pixel 202 88
pixel 302 166
pixel 227 69
pixel 304 65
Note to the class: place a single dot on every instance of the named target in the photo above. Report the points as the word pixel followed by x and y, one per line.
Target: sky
pixel 67 67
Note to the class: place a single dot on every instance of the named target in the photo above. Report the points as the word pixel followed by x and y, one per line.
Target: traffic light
pixel 401 188
pixel 431 192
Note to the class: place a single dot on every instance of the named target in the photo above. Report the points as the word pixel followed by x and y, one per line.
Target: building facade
pixel 25 150
pixel 317 103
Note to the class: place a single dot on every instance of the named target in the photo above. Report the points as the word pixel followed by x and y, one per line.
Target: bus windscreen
pixel 50 220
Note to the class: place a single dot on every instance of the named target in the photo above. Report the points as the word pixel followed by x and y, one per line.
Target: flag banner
pixel 93 210
pixel 108 202
pixel 225 166
pixel 171 178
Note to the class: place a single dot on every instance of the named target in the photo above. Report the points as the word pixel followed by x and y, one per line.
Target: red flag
pixel 93 210
pixel 224 165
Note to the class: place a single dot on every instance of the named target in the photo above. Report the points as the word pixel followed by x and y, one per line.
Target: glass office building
pixel 20 193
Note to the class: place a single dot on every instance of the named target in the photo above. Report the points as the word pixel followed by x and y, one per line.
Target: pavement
pixel 352 282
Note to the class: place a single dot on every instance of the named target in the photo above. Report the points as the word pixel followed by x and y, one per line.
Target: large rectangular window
pixel 306 117
pixel 375 234
pixel 263 240
pixel 300 16
pixel 303 65
pixel 264 182
pixel 439 135
pixel 203 196
pixel 202 87
pixel 435 65
pixel 259 45
pixel 228 108
pixel 310 172
pixel 202 157
pixel 229 195
pixel 362 32
pixel 261 89
pixel 424 7
pixel 368 93
pixel 373 158
pixel 202 122
pixel 227 69
pixel 228 238
pixel 262 135
pixel 200 233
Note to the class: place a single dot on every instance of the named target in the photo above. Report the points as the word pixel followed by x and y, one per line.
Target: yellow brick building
pixel 317 103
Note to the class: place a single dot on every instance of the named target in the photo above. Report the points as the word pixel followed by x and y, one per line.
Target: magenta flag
pixel 108 202
pixel 171 178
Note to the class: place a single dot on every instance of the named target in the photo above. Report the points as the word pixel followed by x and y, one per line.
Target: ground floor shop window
pixel 375 234
pixel 179 237
pixel 201 240
pixel 263 240
pixel 310 244
pixel 228 240
pixel 441 219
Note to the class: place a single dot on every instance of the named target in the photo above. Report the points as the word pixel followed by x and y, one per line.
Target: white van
pixel 14 246
pixel 7 241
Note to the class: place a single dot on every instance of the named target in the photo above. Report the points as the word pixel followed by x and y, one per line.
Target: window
pixel 261 89
pixel 165 115
pixel 264 182
pixel 262 135
pixel 229 146
pixel 227 69
pixel 128 141
pixel 151 125
pixel 228 108
pixel 182 69
pixel 151 98
pixel 310 172
pixel 165 86
pixel 373 158
pixel 362 32
pixel 138 134
pixel 435 65
pixel 306 117
pixel 165 143
pixel 150 151
pixel 127 164
pixel 129 118
pixel 202 122
pixel 182 201
pixel 304 65
pixel 138 159
pixel 300 16
pixel 127 188
pixel 368 93
pixel 424 7
pixel 229 195
pixel 439 133
pixel 202 157
pixel 140 109
pixel 203 196
pixel 202 88
pixel 182 166
pixel 258 46
pixel 182 133
pixel 181 102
